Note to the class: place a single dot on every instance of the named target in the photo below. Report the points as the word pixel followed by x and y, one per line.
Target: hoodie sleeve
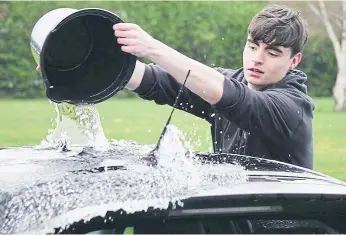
pixel 159 86
pixel 273 114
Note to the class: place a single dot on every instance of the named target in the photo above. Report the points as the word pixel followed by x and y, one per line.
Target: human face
pixel 266 64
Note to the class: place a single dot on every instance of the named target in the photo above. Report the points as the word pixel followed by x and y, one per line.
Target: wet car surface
pixel 118 191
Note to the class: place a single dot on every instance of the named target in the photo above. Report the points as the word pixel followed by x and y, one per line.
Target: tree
pixel 335 24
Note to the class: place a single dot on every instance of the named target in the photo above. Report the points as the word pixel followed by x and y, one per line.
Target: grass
pixel 26 122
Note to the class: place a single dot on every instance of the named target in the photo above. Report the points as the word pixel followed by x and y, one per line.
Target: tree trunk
pixel 339 90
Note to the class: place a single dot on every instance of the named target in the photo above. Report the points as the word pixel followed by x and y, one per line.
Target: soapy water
pixel 134 186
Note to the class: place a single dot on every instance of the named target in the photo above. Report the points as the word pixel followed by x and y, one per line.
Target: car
pixel 82 190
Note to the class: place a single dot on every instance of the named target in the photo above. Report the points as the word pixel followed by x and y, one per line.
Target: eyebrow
pixel 271 47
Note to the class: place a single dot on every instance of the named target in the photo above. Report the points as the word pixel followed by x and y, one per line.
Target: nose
pixel 259 56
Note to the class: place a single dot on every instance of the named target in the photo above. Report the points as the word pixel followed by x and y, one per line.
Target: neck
pixel 254 87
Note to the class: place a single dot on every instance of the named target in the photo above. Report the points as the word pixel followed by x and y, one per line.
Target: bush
pixel 319 63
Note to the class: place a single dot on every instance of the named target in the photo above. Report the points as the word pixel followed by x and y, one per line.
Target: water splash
pixel 65 187
pixel 134 186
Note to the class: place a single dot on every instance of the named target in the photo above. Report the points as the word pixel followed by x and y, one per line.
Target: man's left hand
pixel 134 40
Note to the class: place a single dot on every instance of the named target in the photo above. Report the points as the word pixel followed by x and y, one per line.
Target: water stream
pixel 77 125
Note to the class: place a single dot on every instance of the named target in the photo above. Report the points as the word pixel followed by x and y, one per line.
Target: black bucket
pixel 80 59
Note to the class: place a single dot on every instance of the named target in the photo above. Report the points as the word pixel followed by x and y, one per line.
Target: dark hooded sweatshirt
pixel 274 123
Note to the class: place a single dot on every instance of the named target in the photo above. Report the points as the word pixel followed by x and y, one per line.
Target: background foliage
pixel 211 32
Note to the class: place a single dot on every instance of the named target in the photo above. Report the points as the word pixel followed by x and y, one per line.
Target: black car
pixel 83 190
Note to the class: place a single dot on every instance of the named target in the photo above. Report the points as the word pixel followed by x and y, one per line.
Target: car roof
pixel 262 175
pixel 85 180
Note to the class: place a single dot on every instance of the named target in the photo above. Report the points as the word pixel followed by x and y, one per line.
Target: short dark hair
pixel 279 26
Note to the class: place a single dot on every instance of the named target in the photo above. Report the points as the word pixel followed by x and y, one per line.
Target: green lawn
pixel 26 122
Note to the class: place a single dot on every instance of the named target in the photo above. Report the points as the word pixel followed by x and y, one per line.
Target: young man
pixel 261 109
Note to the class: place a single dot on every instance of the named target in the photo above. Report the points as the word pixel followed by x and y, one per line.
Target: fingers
pixel 125 26
pixel 132 38
pixel 126 34
pixel 38 68
pixel 127 41
pixel 128 49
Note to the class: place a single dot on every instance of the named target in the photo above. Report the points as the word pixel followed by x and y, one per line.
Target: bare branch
pixel 339 23
pixel 315 10
pixel 338 16
pixel 329 27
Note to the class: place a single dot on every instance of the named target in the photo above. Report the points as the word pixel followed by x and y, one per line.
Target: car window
pixel 289 226
pixel 225 225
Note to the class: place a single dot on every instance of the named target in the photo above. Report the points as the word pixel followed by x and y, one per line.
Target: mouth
pixel 254 70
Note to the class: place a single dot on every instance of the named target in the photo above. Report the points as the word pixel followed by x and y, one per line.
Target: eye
pixel 251 46
pixel 273 54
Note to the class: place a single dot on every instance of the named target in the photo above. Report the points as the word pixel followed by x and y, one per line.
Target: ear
pixel 295 60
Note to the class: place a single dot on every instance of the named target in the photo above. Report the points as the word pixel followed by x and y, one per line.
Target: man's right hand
pixel 38 68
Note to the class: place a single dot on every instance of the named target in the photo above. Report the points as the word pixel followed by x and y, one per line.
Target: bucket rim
pixel 112 89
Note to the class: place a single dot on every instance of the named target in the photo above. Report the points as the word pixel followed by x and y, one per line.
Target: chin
pixel 254 81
